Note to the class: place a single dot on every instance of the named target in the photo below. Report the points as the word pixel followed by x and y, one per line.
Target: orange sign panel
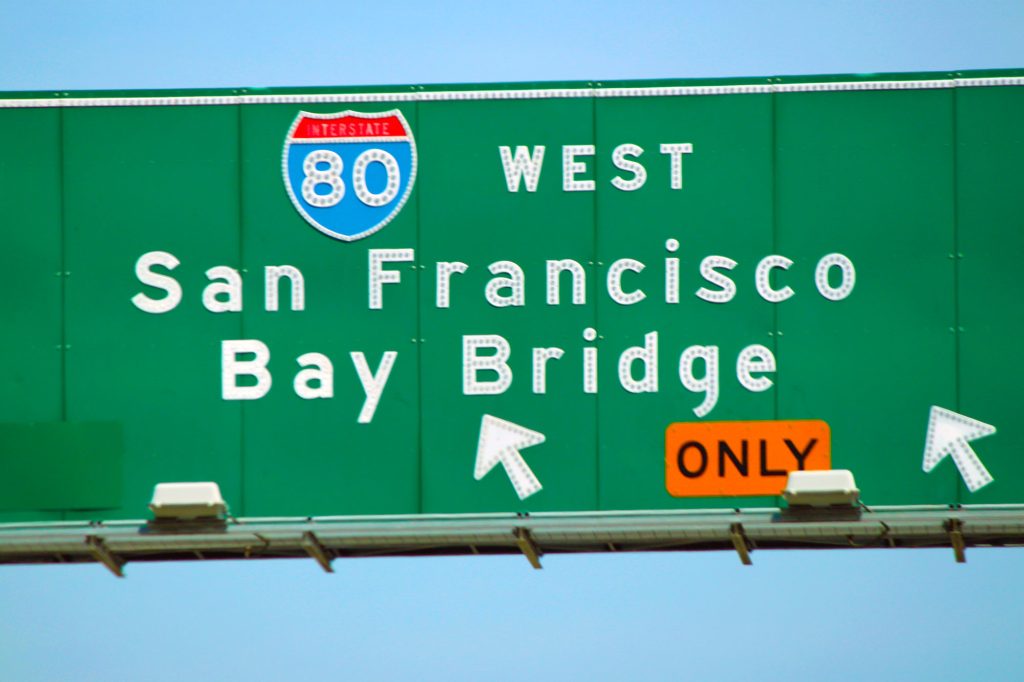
pixel 727 459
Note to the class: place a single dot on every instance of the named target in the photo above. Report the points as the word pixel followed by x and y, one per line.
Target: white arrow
pixel 500 441
pixel 948 434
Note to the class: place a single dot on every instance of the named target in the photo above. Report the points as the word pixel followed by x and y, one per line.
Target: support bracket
pixel 955 528
pixel 316 551
pixel 740 543
pixel 101 553
pixel 885 536
pixel 528 546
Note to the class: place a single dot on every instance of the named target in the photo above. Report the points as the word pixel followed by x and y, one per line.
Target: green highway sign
pixel 519 298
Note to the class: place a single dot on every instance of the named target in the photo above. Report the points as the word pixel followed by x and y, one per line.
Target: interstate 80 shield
pixel 349 174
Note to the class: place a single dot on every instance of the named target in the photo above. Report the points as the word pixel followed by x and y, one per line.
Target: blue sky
pixel 52 44
pixel 832 615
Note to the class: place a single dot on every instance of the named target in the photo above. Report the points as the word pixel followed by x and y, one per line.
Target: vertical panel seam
pixel 241 316
pixel 956 267
pixel 63 275
pixel 773 94
pixel 775 241
pixel 595 254
pixel 420 303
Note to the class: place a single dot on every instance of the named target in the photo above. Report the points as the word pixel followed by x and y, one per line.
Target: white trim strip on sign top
pixel 533 93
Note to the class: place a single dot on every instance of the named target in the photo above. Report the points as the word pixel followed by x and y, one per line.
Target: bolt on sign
pixel 462 299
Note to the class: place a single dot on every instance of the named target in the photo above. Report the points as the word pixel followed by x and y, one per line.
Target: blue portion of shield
pixel 352 217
